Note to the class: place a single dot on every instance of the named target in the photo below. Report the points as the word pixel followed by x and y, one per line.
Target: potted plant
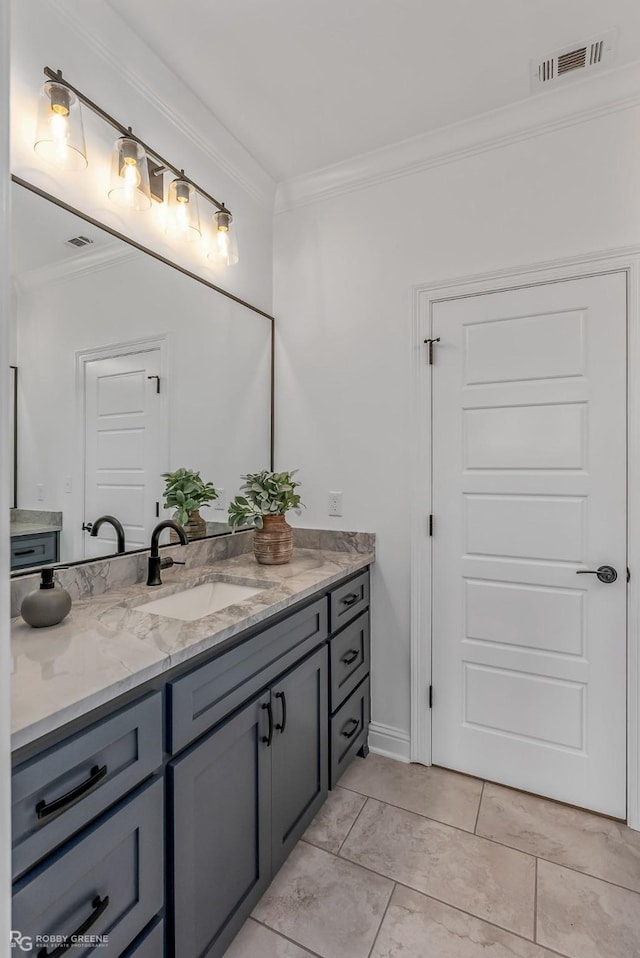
pixel 264 499
pixel 185 491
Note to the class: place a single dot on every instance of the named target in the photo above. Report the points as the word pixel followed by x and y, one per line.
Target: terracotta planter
pixel 195 528
pixel 273 544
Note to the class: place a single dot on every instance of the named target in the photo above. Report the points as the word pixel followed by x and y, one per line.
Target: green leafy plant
pixel 264 494
pixel 185 491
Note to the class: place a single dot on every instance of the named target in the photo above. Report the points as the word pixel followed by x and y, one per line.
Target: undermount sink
pixel 200 601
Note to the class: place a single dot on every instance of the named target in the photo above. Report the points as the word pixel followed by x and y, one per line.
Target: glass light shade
pixel 129 175
pixel 183 219
pixel 223 249
pixel 60 134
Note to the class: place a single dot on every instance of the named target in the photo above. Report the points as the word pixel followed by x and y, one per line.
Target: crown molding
pixel 541 114
pixel 217 143
pixel 90 261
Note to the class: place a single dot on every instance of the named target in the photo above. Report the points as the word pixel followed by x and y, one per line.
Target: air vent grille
pixel 79 241
pixel 573 61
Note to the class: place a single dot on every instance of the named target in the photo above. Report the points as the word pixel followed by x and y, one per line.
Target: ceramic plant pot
pixel 273 544
pixel 195 528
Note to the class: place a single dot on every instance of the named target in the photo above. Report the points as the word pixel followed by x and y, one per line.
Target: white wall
pixel 5 661
pixel 114 67
pixel 344 272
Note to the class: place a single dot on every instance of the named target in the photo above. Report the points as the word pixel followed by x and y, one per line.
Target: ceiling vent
pixel 574 61
pixel 79 241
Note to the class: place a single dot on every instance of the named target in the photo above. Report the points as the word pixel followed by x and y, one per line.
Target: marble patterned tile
pixel 331 825
pixel 567 836
pixel 416 927
pixel 255 940
pixel 583 917
pixel 487 880
pixel 435 792
pixel 325 904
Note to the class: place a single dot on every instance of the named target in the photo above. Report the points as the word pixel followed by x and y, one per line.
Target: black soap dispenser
pixel 48 605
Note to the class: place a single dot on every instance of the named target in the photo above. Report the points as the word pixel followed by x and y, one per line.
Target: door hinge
pixel 157 510
pixel 429 343
pixel 431 696
pixel 628 574
pixel 430 525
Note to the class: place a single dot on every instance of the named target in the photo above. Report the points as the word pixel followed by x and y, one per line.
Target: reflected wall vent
pixel 79 241
pixel 577 60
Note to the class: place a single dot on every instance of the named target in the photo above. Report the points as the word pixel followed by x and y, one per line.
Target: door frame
pixel 162 343
pixel 425 296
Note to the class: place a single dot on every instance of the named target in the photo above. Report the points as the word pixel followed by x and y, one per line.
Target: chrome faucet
pixel 112 521
pixel 155 562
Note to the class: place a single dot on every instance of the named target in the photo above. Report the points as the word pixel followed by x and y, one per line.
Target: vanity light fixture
pixel 60 133
pixel 224 244
pixel 129 175
pixel 137 171
pixel 183 219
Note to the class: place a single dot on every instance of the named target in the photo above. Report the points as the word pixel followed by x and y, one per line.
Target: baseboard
pixel 390 742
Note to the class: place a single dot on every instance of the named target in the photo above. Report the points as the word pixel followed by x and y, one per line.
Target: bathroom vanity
pixel 160 816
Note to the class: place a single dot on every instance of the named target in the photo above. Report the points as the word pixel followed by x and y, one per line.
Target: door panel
pixel 124 450
pixel 529 487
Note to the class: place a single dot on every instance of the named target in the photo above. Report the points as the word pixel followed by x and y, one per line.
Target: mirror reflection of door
pixel 124 447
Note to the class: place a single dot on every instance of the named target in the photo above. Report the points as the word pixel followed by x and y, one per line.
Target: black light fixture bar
pixel 57 77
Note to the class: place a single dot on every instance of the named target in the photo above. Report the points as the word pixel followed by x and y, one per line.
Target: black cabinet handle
pixel 355 724
pixel 350 656
pixel 351 598
pixel 268 738
pixel 282 726
pixel 23 552
pixel 44 809
pixel 99 906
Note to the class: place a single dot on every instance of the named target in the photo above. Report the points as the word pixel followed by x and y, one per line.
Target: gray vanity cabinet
pixel 299 769
pixel 241 797
pixel 220 794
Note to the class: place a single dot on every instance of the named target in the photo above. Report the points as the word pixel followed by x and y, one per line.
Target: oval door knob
pixel 606 573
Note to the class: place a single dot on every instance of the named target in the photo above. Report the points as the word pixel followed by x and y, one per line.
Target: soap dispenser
pixel 47 605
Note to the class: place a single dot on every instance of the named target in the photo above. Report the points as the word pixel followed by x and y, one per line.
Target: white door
pixel 529 489
pixel 124 450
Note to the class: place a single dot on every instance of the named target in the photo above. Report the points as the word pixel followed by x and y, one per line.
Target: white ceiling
pixel 307 83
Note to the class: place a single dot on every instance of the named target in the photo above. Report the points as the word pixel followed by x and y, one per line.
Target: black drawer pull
pixel 350 599
pixel 44 809
pixel 282 726
pixel 99 905
pixel 24 552
pixel 268 738
pixel 355 725
pixel 350 656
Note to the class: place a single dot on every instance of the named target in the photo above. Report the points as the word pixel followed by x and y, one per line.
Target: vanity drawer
pixel 349 656
pixel 57 793
pixel 38 549
pixel 349 729
pixel 349 600
pixel 149 945
pixel 109 882
pixel 202 698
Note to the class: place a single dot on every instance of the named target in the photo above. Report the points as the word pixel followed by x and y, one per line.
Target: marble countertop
pixel 106 646
pixel 32 528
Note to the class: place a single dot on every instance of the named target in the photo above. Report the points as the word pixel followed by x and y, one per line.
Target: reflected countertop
pixel 31 522
pixel 106 646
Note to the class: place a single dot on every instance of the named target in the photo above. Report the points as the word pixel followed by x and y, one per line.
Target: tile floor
pixel 404 861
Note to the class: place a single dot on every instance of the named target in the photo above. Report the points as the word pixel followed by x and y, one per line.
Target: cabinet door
pixel 300 763
pixel 221 810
